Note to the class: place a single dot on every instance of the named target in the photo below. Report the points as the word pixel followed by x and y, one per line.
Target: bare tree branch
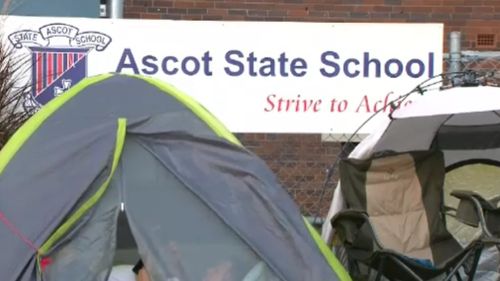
pixel 15 87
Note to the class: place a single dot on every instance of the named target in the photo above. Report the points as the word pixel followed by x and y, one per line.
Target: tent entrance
pixel 148 213
pixel 88 250
pixel 178 235
pixel 126 247
pixel 100 240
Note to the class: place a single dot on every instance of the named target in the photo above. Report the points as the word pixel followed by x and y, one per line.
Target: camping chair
pixel 488 218
pixel 395 219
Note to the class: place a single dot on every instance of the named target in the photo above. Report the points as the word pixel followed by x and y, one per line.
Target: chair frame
pixel 360 217
pixel 483 208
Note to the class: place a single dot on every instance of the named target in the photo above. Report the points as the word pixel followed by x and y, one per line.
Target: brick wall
pixel 469 16
pixel 300 160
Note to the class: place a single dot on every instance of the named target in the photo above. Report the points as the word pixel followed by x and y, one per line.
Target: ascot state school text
pixel 239 63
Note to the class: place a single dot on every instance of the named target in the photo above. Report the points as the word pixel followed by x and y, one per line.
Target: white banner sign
pixel 271 77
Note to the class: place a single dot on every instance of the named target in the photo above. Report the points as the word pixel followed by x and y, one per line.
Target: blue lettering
pixel 366 66
pixel 164 65
pixel 283 60
pixel 263 67
pixel 399 69
pixel 298 67
pixel 347 71
pixel 251 61
pixel 410 68
pixel 206 63
pixel 185 68
pixel 150 65
pixel 327 60
pixel 431 65
pixel 268 67
pixel 127 60
pixel 229 59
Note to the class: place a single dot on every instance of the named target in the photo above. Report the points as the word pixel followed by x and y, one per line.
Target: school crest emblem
pixel 58 58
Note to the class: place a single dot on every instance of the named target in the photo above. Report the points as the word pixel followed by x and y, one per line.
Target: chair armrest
pixel 353 227
pixel 471 209
pixel 459 193
pixel 468 195
pixel 494 201
pixel 466 210
pixel 450 211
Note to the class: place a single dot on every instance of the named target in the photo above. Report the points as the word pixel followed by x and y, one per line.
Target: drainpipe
pixel 455 56
pixel 115 9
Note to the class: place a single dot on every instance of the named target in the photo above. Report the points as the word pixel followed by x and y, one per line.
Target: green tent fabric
pixel 130 149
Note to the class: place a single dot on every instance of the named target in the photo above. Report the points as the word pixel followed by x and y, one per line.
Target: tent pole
pixel 115 9
pixel 455 55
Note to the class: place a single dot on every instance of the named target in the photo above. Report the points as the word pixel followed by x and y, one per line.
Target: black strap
pixel 138 266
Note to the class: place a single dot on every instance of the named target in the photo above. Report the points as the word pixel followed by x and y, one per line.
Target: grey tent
pixel 119 162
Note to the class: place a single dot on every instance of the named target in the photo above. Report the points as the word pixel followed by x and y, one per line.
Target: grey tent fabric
pixel 169 122
pixel 459 157
pixel 410 134
pixel 238 187
pixel 468 133
pixel 196 241
pixel 86 254
pixel 71 127
pixel 70 154
pixel 35 214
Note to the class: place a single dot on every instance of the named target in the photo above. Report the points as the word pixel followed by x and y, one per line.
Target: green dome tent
pixel 128 156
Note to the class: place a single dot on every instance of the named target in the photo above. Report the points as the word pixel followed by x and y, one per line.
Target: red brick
pixel 135 9
pixel 462 9
pixel 382 9
pixel 449 10
pixel 147 3
pixel 150 16
pixel 217 12
pixel 163 3
pixel 483 9
pixel 192 17
pixel 184 4
pixel 297 13
pixel 204 4
pixel 132 15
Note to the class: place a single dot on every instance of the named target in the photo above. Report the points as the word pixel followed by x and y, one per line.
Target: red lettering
pixel 273 103
pixel 270 103
pixel 338 106
pixel 364 103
